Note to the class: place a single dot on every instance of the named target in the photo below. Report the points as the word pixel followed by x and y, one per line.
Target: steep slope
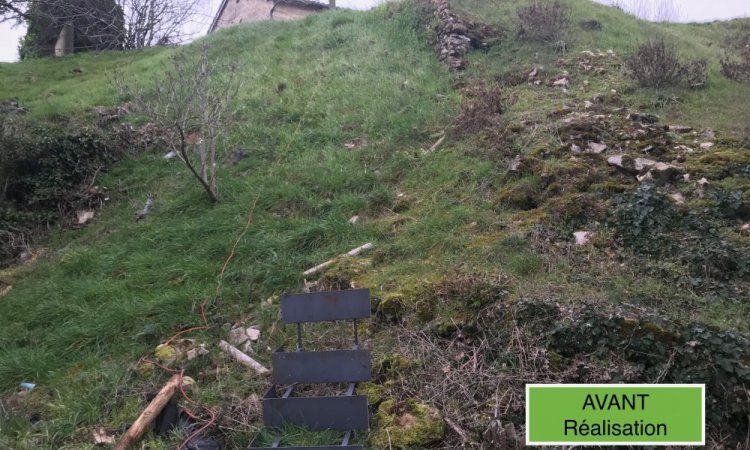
pixel 478 284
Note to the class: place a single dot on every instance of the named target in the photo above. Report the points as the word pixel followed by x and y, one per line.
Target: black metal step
pixel 326 306
pixel 329 447
pixel 333 366
pixel 341 413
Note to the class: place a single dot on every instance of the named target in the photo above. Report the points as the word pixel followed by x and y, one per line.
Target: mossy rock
pixel 392 305
pixel 719 164
pixel 524 194
pixel 404 298
pixel 348 272
pixel 375 392
pixel 523 221
pixel 407 424
pixel 166 353
pixel 632 328
pixel 446 327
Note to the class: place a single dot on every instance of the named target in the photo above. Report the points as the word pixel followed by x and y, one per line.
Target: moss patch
pixel 407 424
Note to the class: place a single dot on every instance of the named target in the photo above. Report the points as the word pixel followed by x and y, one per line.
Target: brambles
pixel 546 22
pixel 42 169
pixel 668 353
pixel 656 64
pixel 643 217
pixel 648 224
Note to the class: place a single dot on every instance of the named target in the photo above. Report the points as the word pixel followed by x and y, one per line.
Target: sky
pixel 687 10
pixel 693 10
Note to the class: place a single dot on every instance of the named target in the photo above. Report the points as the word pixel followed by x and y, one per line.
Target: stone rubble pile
pixel 453 39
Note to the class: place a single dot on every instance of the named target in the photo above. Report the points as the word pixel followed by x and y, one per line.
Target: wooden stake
pixel 243 358
pixel 330 262
pixel 149 414
pixel 436 144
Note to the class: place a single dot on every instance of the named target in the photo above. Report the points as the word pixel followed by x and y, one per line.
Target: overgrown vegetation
pixel 648 223
pixel 737 70
pixel 656 64
pixel 47 173
pixel 545 21
pixel 481 115
pixel 569 226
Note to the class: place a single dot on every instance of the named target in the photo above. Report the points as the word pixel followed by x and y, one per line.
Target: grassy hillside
pixel 471 261
pixel 718 106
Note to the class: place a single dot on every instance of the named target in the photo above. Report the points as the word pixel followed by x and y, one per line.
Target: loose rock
pixel 84 216
pixel 582 237
pixel 238 336
pixel 562 83
pixel 515 165
pixel 680 129
pixel 596 148
pixel 678 198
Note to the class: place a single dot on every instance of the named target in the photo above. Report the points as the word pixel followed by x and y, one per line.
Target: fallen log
pixel 149 414
pixel 330 262
pixel 242 358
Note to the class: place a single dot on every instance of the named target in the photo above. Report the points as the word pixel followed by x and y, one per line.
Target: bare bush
pixel 545 21
pixel 656 64
pixel 695 73
pixel 737 70
pixel 474 381
pixel 192 102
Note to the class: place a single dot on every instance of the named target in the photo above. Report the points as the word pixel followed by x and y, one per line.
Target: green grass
pixel 97 299
pixel 719 105
pixel 72 320
pixel 61 87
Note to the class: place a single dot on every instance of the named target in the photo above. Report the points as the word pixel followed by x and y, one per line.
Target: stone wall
pixel 457 36
pixel 453 36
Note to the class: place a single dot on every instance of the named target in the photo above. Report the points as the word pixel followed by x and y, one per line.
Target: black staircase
pixel 347 412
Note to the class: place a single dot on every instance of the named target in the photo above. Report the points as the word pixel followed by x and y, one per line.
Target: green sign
pixel 615 414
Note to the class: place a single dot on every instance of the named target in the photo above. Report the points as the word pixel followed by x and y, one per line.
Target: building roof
pixel 313 4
